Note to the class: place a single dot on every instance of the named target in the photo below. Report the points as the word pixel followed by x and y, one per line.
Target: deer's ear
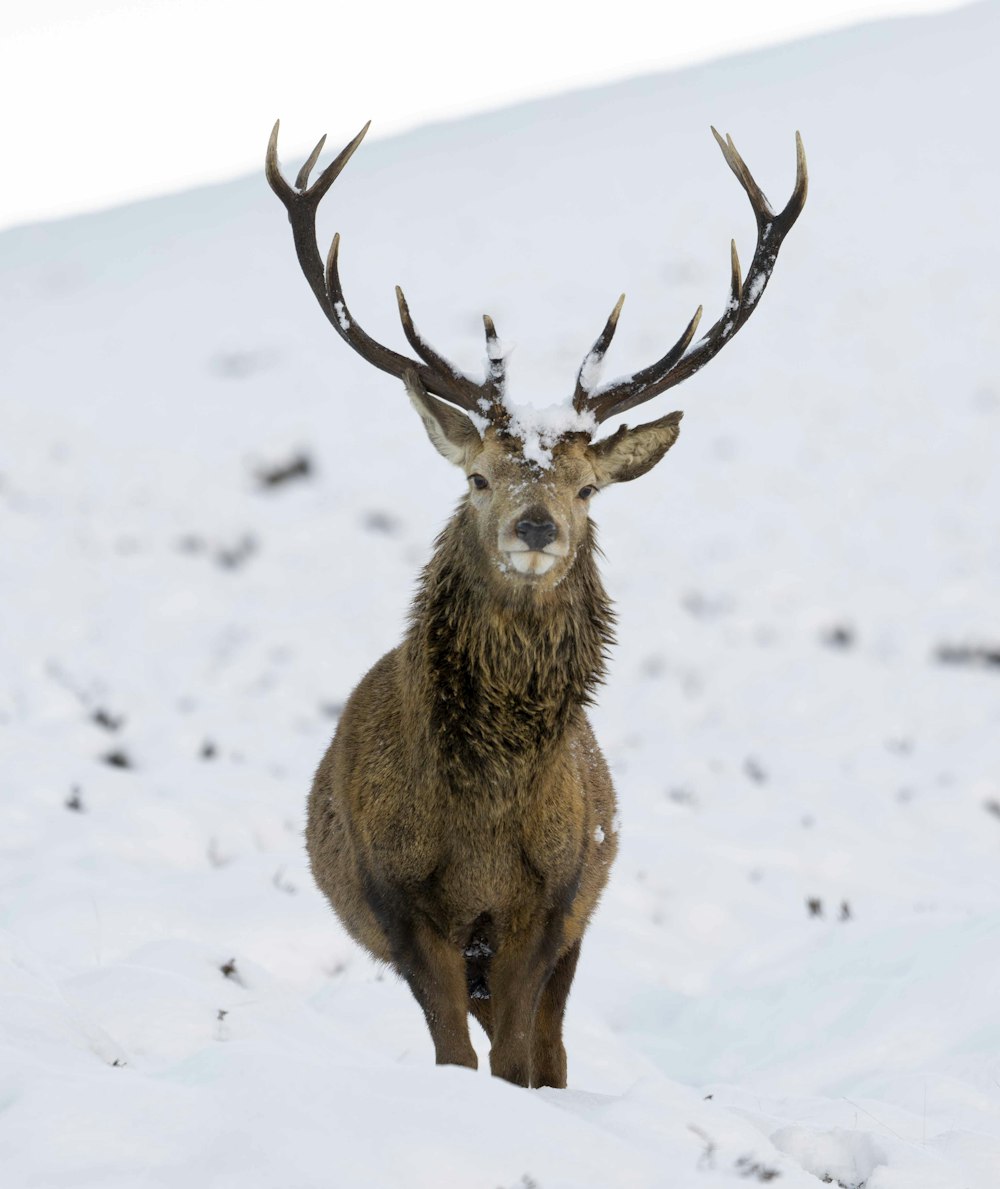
pixel 451 433
pixel 629 453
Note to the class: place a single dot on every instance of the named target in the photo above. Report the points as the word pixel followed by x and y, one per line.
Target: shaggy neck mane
pixel 504 670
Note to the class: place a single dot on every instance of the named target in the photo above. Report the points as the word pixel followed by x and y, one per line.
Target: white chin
pixel 531 562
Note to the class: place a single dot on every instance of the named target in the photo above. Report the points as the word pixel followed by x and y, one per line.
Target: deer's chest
pixel 470 852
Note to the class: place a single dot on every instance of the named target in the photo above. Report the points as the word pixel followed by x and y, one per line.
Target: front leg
pixel 434 969
pixel 519 972
pixel 548 1066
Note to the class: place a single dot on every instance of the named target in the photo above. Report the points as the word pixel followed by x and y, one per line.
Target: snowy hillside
pixel 795 973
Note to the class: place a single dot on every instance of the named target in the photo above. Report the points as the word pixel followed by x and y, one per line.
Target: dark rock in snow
pixel 975 656
pixel 381 522
pixel 118 759
pixel 299 466
pixel 230 971
pixel 107 720
pixel 838 636
pixel 754 770
pixel 233 556
pixel 239 365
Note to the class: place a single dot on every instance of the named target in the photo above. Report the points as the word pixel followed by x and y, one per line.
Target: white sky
pixel 110 100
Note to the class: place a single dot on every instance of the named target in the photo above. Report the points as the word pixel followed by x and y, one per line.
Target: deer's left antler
pixel 683 360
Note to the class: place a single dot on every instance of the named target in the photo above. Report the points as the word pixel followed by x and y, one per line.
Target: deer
pixel 463 822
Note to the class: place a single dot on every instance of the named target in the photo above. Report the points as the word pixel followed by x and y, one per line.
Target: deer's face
pixel 530 519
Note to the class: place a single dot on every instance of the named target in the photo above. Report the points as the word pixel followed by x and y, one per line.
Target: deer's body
pixel 462 823
pixel 464 793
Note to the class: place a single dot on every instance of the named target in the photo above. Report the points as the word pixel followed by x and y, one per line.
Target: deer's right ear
pixel 451 433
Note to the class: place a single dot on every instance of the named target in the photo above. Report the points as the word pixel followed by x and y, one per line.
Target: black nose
pixel 536 534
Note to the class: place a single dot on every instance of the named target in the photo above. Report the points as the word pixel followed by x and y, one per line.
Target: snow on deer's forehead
pixel 524 471
pixel 539 429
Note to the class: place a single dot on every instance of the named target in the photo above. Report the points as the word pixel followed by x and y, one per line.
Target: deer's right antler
pixel 437 375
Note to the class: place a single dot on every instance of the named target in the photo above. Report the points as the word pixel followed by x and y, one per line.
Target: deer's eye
pixel 478 482
pixel 586 492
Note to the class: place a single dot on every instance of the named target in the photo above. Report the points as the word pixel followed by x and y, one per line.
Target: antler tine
pixel 343 321
pixel 272 170
pixel 586 376
pixel 497 415
pixel 422 348
pixel 635 391
pixel 679 363
pixel 793 207
pixel 302 177
pixel 496 365
pixel 758 199
pixel 436 374
pixel 736 282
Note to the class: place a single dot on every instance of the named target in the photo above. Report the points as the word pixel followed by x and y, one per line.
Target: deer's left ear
pixel 629 453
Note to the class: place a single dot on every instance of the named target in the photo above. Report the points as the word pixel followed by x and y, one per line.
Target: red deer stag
pixel 462 822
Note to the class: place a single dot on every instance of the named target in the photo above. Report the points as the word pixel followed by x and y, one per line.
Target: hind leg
pixel 548 1054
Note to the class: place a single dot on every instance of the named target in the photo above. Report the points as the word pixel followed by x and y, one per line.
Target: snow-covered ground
pixel 795 973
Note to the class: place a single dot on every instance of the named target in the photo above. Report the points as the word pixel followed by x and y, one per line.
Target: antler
pixel 436 374
pixel 679 362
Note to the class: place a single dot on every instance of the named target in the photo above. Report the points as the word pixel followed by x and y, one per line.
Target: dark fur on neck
pixel 505 669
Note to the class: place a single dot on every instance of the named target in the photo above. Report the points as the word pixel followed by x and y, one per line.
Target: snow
pixel 590 373
pixel 756 288
pixel 539 427
pixel 178 1006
